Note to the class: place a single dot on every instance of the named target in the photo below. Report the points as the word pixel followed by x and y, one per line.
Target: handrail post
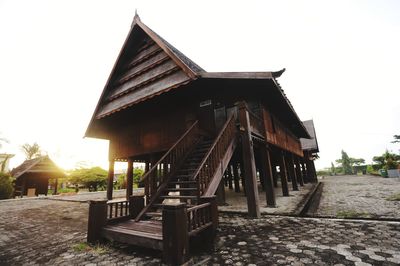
pixel 97 219
pixel 136 205
pixel 175 234
pixel 210 233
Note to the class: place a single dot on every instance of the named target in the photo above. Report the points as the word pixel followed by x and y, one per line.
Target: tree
pixel 6 186
pixel 333 169
pixel 396 139
pixel 387 160
pixel 357 162
pixel 91 178
pixel 345 163
pixel 137 174
pixel 31 151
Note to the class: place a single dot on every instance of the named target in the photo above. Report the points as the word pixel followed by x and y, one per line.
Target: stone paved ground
pixel 48 232
pixel 236 202
pixel 362 196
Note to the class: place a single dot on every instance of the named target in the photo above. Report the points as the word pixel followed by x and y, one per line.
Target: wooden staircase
pixel 180 201
pixel 180 188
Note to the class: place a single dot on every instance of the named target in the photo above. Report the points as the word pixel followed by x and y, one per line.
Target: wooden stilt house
pixel 191 128
pixel 32 177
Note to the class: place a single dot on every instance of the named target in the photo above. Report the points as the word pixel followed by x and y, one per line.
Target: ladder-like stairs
pixel 181 187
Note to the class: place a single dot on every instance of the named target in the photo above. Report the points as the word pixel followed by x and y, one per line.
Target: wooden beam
pixel 110 180
pixel 283 174
pixel 129 179
pixel 253 204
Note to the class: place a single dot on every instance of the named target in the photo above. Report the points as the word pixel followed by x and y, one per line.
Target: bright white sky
pixel 342 60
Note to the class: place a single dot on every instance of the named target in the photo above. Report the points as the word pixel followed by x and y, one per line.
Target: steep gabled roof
pixel 42 164
pixel 145 59
pixel 148 66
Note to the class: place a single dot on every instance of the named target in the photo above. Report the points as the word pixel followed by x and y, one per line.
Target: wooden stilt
pixel 298 172
pixel 236 177
pixel 110 180
pixel 289 174
pixel 293 172
pixel 229 172
pixel 314 172
pixel 283 174
pixel 241 167
pixel 55 186
pixel 274 172
pixel 129 179
pixel 267 176
pixel 221 194
pixel 253 204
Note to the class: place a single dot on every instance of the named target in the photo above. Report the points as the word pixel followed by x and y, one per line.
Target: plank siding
pixel 147 135
pixel 147 91
pixel 278 135
pixel 148 76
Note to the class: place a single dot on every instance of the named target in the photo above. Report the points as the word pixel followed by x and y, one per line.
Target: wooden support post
pixel 97 219
pixel 221 193
pixel 153 177
pixel 304 171
pixel 289 174
pixel 311 175
pixel 241 167
pixel 267 176
pixel 314 172
pixel 274 175
pixel 236 177
pixel 175 234
pixel 110 180
pixel 136 205
pixel 283 174
pixel 293 172
pixel 211 232
pixel 55 186
pixel 229 172
pixel 253 204
pixel 298 172
pixel 129 179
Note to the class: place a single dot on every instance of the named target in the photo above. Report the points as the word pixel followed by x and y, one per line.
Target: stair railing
pixel 169 161
pixel 211 160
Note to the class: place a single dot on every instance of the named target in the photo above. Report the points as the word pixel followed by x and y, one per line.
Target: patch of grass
pixel 81 247
pixel 352 214
pixel 394 197
pixel 85 247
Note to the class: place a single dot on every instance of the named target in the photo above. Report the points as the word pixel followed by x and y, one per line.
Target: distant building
pixel 32 176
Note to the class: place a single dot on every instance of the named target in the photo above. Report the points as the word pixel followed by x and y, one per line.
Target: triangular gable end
pixel 146 66
pixel 41 164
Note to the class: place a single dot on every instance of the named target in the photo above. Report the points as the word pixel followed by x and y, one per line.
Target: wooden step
pixel 154 214
pixel 160 205
pixel 178 197
pixel 143 233
pixel 183 182
pixel 182 189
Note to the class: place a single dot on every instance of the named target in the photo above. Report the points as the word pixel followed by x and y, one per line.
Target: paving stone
pixel 269 240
